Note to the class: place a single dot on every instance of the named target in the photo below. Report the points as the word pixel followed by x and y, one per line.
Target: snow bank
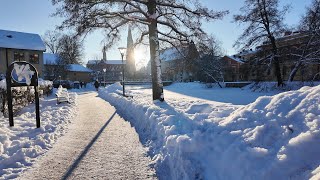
pixel 22 144
pixel 273 138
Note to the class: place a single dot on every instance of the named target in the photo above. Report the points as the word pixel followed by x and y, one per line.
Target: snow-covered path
pixel 98 145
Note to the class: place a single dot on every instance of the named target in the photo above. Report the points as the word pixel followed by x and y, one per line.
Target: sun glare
pixel 141 57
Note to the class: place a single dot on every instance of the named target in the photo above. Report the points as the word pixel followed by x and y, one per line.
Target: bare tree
pixel 71 49
pixel 51 39
pixel 209 63
pixel 161 21
pixel 265 23
pixel 308 51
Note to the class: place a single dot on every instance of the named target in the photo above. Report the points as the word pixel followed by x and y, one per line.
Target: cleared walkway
pixel 98 145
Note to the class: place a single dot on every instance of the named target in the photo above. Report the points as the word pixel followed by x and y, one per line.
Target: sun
pixel 141 57
pixel 138 54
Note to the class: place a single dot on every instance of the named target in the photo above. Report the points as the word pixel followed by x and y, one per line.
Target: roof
pixel 93 61
pixel 170 54
pixel 78 68
pixel 21 40
pixel 49 58
pixel 236 58
pixel 90 62
pixel 115 62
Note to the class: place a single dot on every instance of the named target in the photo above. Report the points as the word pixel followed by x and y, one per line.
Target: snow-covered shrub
pixel 22 96
pixel 273 86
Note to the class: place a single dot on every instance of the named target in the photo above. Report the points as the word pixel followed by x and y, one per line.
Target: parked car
pixel 65 84
pixel 76 84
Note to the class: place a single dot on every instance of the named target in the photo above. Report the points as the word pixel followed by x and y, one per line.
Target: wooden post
pixel 9 98
pixel 36 93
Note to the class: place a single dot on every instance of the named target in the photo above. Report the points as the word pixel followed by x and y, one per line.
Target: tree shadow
pixel 86 149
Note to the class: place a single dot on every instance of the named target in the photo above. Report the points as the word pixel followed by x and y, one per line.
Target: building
pixel 77 72
pixel 21 46
pixel 255 65
pixel 74 72
pixel 179 64
pixel 235 67
pixel 113 69
pixel 290 47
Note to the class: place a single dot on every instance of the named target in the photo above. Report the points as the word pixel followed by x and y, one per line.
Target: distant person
pixel 85 84
pixel 96 84
pixel 81 84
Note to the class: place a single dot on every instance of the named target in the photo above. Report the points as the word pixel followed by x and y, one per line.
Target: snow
pixel 116 62
pixel 78 68
pixel 273 86
pixel 21 40
pixel 41 82
pixel 170 54
pixel 92 62
pixel 22 144
pixel 236 58
pixel 273 137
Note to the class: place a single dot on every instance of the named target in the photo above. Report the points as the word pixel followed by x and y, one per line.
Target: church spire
pixel 104 53
pixel 131 67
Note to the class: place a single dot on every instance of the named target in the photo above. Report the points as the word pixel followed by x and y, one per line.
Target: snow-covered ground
pixel 22 144
pixel 215 134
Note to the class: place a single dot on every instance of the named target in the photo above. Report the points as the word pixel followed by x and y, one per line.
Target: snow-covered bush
pixel 22 96
pixel 273 86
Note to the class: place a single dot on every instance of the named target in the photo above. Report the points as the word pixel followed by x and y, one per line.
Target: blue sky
pixel 34 16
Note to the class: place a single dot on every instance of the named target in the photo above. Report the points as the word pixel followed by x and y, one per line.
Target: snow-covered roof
pixel 21 40
pixel 236 58
pixel 78 68
pixel 93 61
pixel 49 58
pixel 241 56
pixel 170 54
pixel 115 62
pixel 90 62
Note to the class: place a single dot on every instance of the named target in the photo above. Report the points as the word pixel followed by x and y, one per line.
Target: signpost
pixel 22 74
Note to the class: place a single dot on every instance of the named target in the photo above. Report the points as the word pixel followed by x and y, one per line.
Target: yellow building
pixel 20 46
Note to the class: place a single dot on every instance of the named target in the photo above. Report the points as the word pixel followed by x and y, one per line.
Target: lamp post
pixel 59 81
pixel 98 75
pixel 104 76
pixel 122 52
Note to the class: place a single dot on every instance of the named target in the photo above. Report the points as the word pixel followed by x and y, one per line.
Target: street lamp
pixel 98 75
pixel 59 81
pixel 122 52
pixel 104 76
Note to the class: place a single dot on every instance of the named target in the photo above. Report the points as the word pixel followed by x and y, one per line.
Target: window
pixel 18 56
pixel 34 58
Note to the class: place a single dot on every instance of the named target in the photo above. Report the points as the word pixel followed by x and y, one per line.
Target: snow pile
pixel 272 138
pixel 44 83
pixel 22 144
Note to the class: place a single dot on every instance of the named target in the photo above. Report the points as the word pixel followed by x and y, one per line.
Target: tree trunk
pixel 294 71
pixel 157 86
pixel 276 62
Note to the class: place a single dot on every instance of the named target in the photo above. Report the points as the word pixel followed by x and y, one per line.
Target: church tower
pixel 130 64
pixel 104 53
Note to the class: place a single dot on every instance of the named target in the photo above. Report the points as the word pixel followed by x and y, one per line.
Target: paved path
pixel 98 145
